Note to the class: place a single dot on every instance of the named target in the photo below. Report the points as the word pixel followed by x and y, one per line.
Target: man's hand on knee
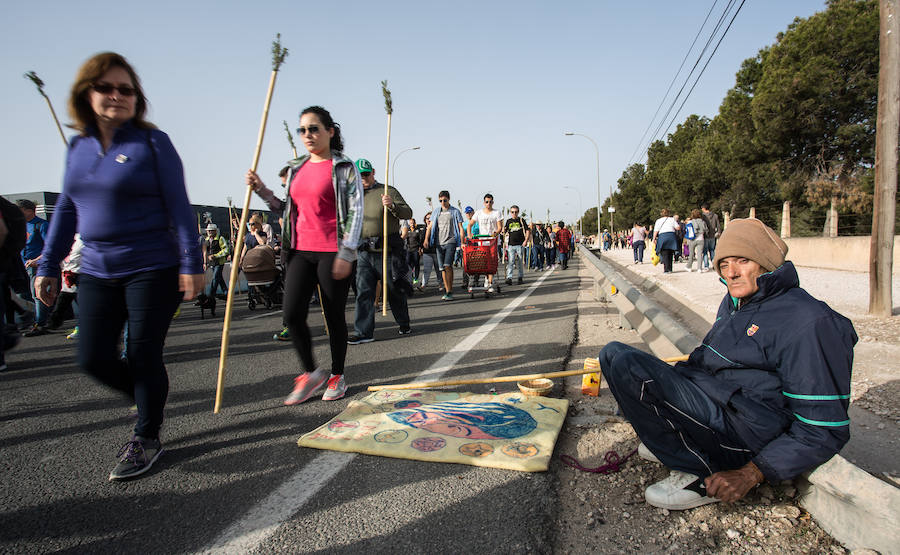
pixel 731 485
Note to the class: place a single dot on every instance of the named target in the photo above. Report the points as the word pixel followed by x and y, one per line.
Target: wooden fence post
pixel 786 220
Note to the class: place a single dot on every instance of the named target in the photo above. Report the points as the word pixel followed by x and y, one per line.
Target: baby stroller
pixel 264 280
pixel 480 259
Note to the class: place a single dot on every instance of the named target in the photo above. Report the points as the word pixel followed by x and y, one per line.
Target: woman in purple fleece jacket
pixel 124 192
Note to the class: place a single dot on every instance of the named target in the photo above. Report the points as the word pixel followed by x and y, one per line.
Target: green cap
pixel 364 166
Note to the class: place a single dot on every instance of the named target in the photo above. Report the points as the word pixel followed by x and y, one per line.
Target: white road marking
pixel 262 520
pixel 266 315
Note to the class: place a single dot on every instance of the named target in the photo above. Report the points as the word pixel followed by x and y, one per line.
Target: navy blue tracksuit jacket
pixel 780 367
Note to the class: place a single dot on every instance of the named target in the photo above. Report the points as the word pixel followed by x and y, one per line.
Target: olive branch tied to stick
pixel 279 53
pixel 389 108
pixel 40 87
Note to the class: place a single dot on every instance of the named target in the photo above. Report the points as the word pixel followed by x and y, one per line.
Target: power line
pixel 704 66
pixel 675 78
pixel 709 40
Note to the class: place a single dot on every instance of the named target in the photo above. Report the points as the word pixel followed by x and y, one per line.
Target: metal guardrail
pixel 678 335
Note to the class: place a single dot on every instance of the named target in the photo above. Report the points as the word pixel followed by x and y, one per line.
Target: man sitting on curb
pixel 765 395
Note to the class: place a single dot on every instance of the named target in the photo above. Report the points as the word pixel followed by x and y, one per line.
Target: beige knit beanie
pixel 752 239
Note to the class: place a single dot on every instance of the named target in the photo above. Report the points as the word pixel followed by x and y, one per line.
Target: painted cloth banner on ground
pixel 508 431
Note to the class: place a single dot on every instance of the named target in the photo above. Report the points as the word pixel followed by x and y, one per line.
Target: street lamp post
pixel 580 206
pixel 394 163
pixel 599 194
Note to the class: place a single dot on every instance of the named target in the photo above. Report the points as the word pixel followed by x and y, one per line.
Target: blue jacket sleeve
pixel 61 232
pixel 815 372
pixel 59 238
pixel 181 216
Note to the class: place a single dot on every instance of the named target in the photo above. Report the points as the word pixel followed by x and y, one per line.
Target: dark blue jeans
pixel 675 419
pixel 41 311
pixel 709 251
pixel 638 247
pixel 413 261
pixel 147 302
pixel 368 272
pixel 217 281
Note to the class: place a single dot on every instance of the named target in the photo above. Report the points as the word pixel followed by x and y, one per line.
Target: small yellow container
pixel 590 382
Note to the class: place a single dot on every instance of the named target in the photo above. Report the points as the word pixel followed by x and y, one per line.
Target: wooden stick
pixel 389 108
pixel 318 287
pixel 278 56
pixel 498 379
pixel 40 87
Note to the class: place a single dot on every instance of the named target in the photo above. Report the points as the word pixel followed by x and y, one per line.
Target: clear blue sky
pixel 485 88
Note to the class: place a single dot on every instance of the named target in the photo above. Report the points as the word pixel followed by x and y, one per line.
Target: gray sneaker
pixel 136 457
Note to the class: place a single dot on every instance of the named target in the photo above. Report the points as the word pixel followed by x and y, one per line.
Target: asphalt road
pixel 237 481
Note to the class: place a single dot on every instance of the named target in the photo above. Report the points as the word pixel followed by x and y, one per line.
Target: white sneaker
pixel 305 385
pixel 335 389
pixel 646 454
pixel 678 492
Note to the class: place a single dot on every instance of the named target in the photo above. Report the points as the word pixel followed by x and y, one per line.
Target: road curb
pixel 856 508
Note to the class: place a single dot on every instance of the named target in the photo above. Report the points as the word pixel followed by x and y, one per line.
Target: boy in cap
pixel 764 397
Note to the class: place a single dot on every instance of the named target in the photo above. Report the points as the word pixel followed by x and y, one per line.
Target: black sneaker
pixel 36 330
pixel 136 457
pixel 508 281
pixel 405 331
pixel 520 281
pixel 357 339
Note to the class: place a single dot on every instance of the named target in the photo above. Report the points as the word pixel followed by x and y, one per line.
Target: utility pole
pixel 881 253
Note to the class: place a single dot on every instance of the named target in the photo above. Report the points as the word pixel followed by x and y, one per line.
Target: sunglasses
pixel 312 129
pixel 444 200
pixel 489 202
pixel 365 174
pixel 106 89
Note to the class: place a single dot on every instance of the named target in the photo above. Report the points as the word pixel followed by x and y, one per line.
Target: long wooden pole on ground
pixel 389 108
pixel 318 287
pixel 32 76
pixel 881 251
pixel 498 379
pixel 278 56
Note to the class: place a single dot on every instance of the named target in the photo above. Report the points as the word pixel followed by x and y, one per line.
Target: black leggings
pixel 304 271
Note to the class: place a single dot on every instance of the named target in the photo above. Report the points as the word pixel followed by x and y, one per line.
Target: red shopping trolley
pixel 480 259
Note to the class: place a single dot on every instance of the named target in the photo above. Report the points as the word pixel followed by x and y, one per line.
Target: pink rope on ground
pixel 613 463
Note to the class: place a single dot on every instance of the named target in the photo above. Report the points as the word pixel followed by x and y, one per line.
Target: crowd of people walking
pixel 123 279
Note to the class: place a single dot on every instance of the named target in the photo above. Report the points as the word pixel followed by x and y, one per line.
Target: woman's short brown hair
pixel 93 69
pixel 695 213
pixel 664 212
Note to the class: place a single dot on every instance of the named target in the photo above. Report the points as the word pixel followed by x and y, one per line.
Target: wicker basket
pixel 538 387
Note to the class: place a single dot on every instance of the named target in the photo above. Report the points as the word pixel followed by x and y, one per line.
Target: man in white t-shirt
pixel 488 224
